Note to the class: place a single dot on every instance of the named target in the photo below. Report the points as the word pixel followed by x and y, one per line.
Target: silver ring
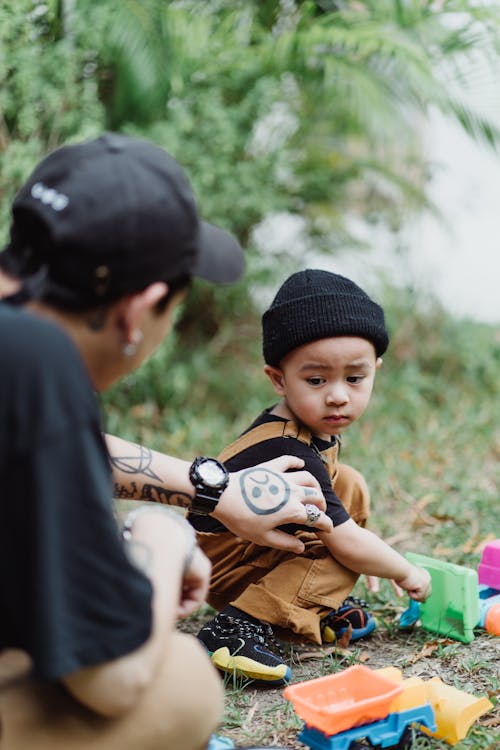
pixel 313 513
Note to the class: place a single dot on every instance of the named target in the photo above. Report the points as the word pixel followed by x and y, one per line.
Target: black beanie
pixel 313 305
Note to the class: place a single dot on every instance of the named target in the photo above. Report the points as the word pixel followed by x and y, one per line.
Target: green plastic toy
pixel 453 607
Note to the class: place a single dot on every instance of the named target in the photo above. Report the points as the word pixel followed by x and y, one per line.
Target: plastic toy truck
pixel 461 598
pixel 344 711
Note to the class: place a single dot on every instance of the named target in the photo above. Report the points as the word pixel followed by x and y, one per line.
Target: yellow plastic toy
pixel 454 710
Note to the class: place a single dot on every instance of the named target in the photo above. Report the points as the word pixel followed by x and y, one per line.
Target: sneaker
pixel 351 616
pixel 241 644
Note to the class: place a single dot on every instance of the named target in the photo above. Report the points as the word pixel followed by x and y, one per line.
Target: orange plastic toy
pixel 492 621
pixel 357 695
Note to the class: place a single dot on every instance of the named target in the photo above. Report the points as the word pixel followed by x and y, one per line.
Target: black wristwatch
pixel 209 478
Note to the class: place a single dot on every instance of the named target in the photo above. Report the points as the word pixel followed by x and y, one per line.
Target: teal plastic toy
pixel 219 743
pixel 453 608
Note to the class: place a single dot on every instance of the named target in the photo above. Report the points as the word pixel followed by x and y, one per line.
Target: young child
pixel 323 339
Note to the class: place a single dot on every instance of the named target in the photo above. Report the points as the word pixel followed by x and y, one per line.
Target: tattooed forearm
pixel 264 491
pixel 158 494
pixel 138 461
pixel 153 493
pixel 133 461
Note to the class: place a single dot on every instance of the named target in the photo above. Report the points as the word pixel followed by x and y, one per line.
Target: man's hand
pixel 195 584
pixel 256 501
pixel 260 498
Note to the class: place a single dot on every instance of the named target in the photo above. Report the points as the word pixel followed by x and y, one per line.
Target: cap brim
pixel 220 257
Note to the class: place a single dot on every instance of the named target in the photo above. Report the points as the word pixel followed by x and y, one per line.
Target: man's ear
pixel 277 379
pixel 131 310
pixel 378 363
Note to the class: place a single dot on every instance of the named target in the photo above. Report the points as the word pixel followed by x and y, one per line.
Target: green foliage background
pixel 313 108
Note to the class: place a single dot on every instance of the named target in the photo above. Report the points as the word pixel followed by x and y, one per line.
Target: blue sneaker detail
pixel 352 614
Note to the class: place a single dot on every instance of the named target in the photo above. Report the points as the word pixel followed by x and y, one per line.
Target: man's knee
pixel 196 683
pixel 189 696
pixel 182 707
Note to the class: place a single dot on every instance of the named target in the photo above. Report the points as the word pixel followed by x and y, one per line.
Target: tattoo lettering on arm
pixel 159 494
pixel 152 493
pixel 124 493
pixel 139 463
pixel 264 491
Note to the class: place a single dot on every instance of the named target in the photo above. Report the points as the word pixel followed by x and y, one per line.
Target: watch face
pixel 211 473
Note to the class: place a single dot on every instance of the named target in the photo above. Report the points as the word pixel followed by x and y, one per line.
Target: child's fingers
pixel 397 589
pixel 373 584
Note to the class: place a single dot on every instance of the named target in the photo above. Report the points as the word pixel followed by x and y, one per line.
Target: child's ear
pixel 378 363
pixel 275 375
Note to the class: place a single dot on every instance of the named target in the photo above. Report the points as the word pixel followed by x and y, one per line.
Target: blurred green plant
pixel 310 107
pixel 313 108
pixel 48 92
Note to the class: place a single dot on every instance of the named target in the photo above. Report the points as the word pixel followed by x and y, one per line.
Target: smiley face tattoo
pixel 264 491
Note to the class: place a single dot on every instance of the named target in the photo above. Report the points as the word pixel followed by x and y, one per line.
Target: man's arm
pixel 113 688
pixel 140 473
pixel 143 474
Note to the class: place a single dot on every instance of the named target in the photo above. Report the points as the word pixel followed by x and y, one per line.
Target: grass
pixel 429 446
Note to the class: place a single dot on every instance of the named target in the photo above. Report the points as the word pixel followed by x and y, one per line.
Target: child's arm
pixel 364 552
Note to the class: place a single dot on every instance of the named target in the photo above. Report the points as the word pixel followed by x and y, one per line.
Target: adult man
pixel 105 237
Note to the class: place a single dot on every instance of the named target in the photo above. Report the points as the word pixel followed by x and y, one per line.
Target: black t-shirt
pixel 272 448
pixel 69 596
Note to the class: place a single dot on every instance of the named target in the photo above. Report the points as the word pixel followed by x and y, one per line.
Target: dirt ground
pixel 255 714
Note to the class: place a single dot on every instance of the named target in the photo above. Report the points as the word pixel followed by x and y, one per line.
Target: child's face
pixel 327 384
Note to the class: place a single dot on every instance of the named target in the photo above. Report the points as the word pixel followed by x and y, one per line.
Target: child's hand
pixel 417 583
pixel 373 584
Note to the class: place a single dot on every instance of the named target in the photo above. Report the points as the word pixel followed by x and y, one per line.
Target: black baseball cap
pixel 112 215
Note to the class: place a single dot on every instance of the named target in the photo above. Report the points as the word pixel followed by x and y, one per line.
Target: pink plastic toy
pixel 489 567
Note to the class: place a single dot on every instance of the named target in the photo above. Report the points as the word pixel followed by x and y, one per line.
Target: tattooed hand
pixel 263 497
pixel 256 502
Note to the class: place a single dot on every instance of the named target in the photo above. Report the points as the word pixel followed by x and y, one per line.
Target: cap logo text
pixel 49 196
